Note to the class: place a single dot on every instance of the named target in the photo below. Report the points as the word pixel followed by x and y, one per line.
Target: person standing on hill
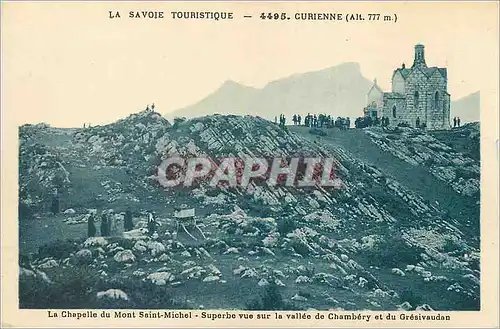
pixel 128 224
pixel 458 121
pixel 104 224
pixel 151 224
pixel 91 230
pixel 299 119
pixel 55 202
pixel 111 222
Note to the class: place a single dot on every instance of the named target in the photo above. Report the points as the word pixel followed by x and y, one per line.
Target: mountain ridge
pixel 339 90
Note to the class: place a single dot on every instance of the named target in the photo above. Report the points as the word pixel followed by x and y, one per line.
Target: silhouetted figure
pixel 147 107
pixel 151 224
pixel 299 119
pixel 454 122
pixel 418 122
pixel 91 230
pixel 104 225
pixel 275 119
pixel 458 121
pixel 111 223
pixel 315 121
pixel 54 207
pixel 294 119
pixel 84 125
pixel 128 224
pixel 153 106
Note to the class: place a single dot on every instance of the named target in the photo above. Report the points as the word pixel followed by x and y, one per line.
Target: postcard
pixel 250 164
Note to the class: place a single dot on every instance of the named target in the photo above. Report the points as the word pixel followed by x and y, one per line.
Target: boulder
pixel 157 248
pixel 303 279
pixel 299 298
pixel 397 271
pixel 124 256
pixel 405 307
pixel 112 294
pixel 211 278
pixel 97 241
pixel 161 278
pixel 48 264
pixel 140 246
pixel 84 256
pixel 263 282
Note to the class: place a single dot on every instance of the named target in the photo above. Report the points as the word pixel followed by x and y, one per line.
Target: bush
pixel 77 287
pixel 394 252
pixel 271 300
pixel 58 249
pixel 300 248
pixel 407 295
pixel 286 225
pixel 70 290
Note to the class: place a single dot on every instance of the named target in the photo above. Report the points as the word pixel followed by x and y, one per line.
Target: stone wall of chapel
pixel 389 105
pixel 438 109
pixel 416 82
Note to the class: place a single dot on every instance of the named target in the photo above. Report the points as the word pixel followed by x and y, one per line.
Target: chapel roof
pixel 428 71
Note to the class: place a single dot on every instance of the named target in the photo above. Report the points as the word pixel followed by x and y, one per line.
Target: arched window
pixel 416 99
pixel 394 111
pixel 436 99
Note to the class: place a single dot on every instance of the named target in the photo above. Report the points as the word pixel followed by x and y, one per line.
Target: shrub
pixel 177 122
pixel 286 225
pixel 408 295
pixel 70 290
pixel 271 300
pixel 394 252
pixel 58 249
pixel 77 287
pixel 300 248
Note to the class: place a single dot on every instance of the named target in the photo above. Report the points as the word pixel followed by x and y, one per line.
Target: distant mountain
pixel 339 90
pixel 467 108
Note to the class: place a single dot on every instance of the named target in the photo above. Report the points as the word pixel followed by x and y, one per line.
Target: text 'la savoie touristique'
pixel 269 16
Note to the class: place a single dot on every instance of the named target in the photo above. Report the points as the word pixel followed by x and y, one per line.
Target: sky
pixel 68 63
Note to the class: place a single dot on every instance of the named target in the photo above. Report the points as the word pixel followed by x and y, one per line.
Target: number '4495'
pixel 273 16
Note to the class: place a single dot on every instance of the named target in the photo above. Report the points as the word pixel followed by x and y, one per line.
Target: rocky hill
pixel 401 232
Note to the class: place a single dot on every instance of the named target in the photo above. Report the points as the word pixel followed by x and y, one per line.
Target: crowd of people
pixel 328 121
pixel 316 121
